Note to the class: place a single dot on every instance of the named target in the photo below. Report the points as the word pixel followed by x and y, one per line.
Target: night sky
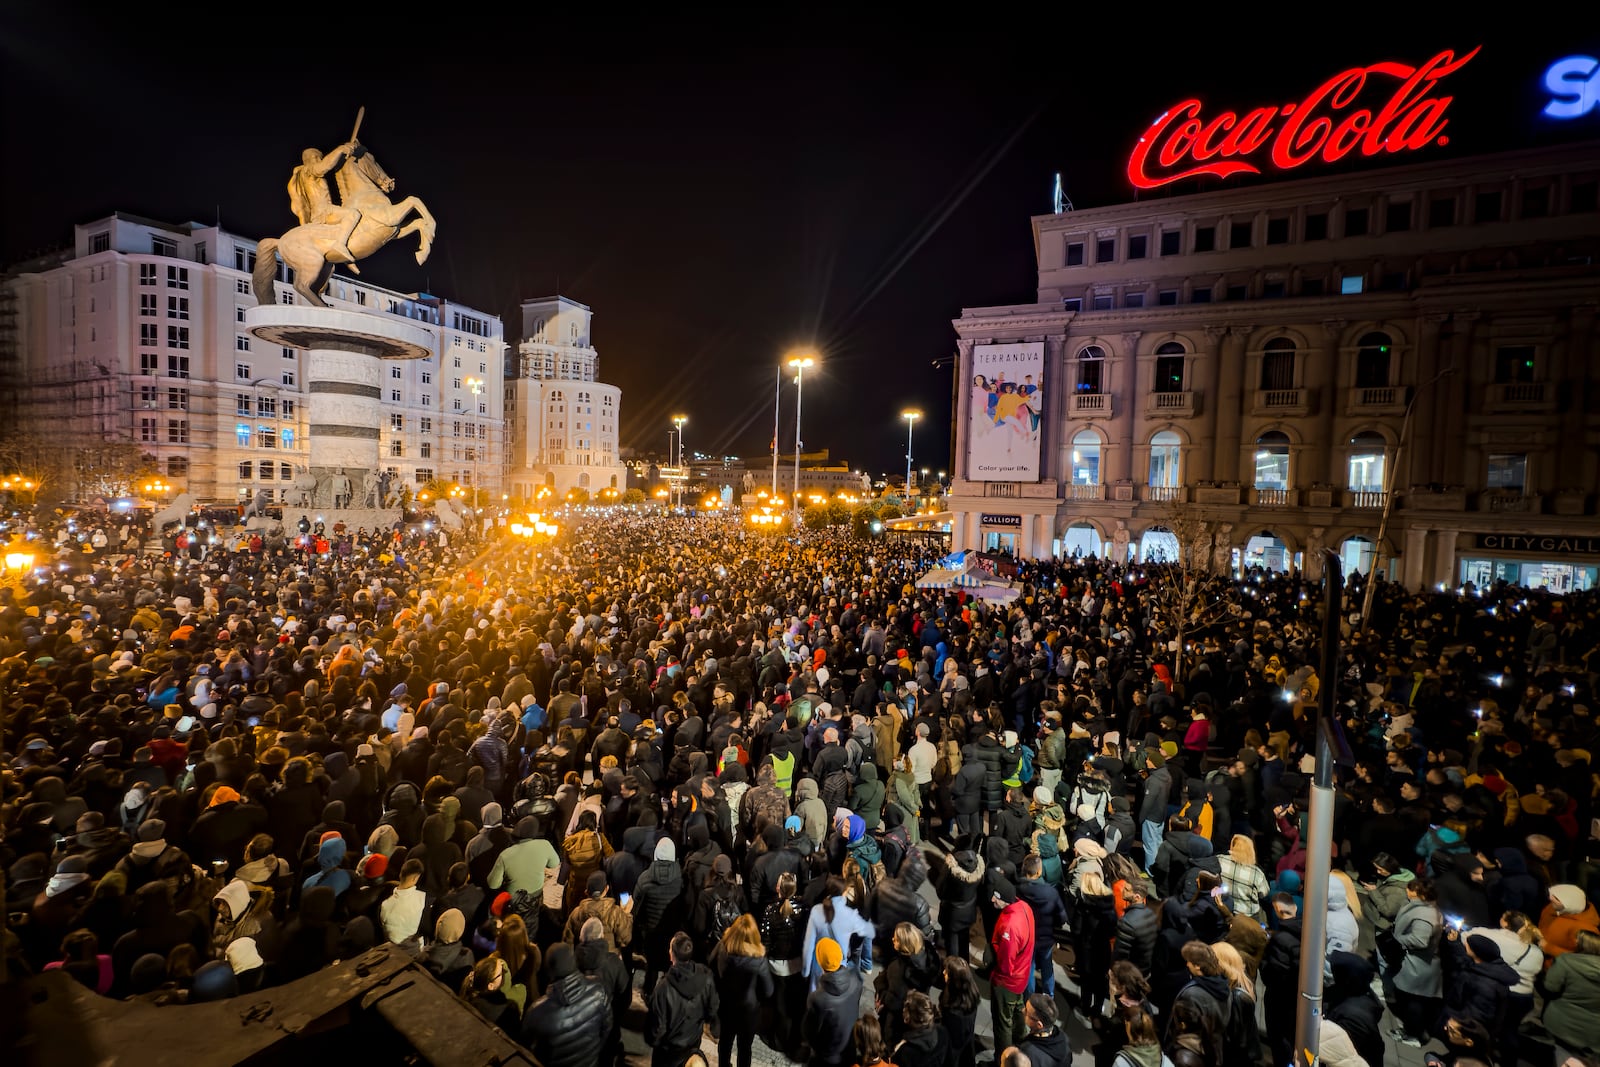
pixel 718 194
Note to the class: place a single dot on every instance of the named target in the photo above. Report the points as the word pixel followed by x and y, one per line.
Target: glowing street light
pixel 911 415
pixel 799 363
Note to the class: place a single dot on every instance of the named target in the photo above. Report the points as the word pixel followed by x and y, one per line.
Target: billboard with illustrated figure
pixel 1003 420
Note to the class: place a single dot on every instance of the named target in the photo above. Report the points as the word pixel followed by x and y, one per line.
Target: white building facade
pixel 138 335
pixel 1247 358
pixel 562 421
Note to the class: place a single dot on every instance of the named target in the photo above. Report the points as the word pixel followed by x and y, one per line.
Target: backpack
pixel 724 913
pixel 835 791
pixel 869 858
pixel 1025 766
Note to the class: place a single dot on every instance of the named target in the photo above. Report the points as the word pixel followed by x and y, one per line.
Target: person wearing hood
pixel 1516 889
pixel 1477 982
pixel 438 854
pixel 486 845
pixel 58 908
pixel 157 927
pixel 102 847
pixel 404 812
pixel 1568 911
pixel 569 1025
pixel 1571 990
pixel 527 863
pixel 832 1007
pixel 629 862
pixel 330 867
pixel 147 857
pixel 1044 840
pixel 333 818
pixel 225 827
pixel 1013 823
pixel 868 799
pixel 655 898
pixel 447 959
pixel 242 910
pixel 778 857
pixel 1343 930
pixel 701 853
pixel 958 879
pixel 682 1003
pixel 812 812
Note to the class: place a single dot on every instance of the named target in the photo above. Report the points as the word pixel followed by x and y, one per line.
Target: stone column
pixel 1572 456
pixel 1040 530
pixel 1203 466
pixel 1117 461
pixel 1423 458
pixel 1412 574
pixel 344 409
pixel 1454 395
pixel 1327 386
pixel 1444 557
pixel 1230 403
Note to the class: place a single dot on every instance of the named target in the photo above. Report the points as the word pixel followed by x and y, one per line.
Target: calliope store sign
pixel 1346 115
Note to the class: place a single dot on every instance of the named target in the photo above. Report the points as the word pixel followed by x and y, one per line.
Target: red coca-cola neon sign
pixel 1327 125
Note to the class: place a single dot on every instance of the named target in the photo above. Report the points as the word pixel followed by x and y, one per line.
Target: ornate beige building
pixel 1247 358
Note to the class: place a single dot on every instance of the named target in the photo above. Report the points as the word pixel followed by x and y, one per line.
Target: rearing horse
pixel 311 252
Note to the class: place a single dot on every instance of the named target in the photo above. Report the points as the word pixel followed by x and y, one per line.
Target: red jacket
pixel 1013 948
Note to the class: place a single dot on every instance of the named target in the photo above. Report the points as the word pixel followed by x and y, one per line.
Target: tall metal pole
pixel 1319 828
pixel 777 404
pixel 1389 472
pixel 911 424
pixel 799 396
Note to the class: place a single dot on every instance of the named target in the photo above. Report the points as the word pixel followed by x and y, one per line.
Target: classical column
pixel 1411 563
pixel 1425 462
pixel 1444 557
pixel 1203 467
pixel 1572 456
pixel 1327 406
pixel 1230 402
pixel 1119 458
pixel 1454 396
pixel 1040 530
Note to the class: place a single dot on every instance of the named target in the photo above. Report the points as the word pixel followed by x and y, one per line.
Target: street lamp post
pixel 799 363
pixel 911 416
pixel 476 385
pixel 1388 495
pixel 777 404
pixel 678 421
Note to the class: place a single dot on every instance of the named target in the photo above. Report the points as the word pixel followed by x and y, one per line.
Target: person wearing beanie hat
pixel 833 1005
pixel 656 898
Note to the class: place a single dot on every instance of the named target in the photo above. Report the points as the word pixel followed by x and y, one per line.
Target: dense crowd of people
pixel 665 773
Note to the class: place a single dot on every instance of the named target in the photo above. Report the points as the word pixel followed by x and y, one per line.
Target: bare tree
pixel 1183 590
pixel 62 470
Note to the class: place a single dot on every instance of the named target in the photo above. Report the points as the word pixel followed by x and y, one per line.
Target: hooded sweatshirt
pixel 330 867
pixel 684 1000
pixel 868 801
pixel 1342 928
pixel 813 813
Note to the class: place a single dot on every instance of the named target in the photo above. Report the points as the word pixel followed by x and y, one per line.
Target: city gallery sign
pixel 1345 114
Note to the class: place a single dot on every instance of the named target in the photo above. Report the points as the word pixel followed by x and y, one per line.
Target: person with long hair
pixel 1140 1047
pixel 522 958
pixel 1521 948
pixel 783 932
pixel 912 969
pixel 867 1037
pixel 836 917
pixel 1243 1038
pixel 484 992
pixel 744 985
pixel 1246 883
pixel 926 1042
pixel 958 1010
pixel 1207 993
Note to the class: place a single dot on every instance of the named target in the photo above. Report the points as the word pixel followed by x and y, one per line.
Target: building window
pixel 1278 231
pixel 285 472
pixel 1074 253
pixel 1072 303
pixel 147 305
pixel 178 277
pixel 177 307
pixel 238 313
pixel 1508 471
pixel 149 333
pixel 177 466
pixel 1201 294
pixel 1169 368
pixel 427 400
pixel 1277 364
pixel 425 450
pixel 267 407
pixel 1086 458
pixel 1272 461
pixel 244 260
pixel 1239 235
pixel 147 274
pixel 163 246
pixel 1486 206
pixel 242 434
pixel 1313 286
pixel 247 470
pixel 397 448
pixel 241 287
pixel 1397 217
pixel 1366 463
pixel 425 424
pixel 1441 212
pixel 394 372
pixel 241 404
pixel 147 429
pixel 149 363
pixel 427 377
pixel 1355 221
pixel 1104 301
pixel 1316 228
pixel 100 242
pixel 177 337
pixel 1167 297
pixel 288 409
pixel 266 467
pixel 1536 202
pixel 287 378
pixel 1138 246
pixel 1513 364
pixel 1133 300
pixel 455 383
pixel 1091 369
pixel 268 436
pixel 1351 284
pixel 178 399
pixel 241 371
pixel 1271 290
pixel 1235 292
pixel 178 431
pixel 1165 452
pixel 1205 238
pixel 177 366
pixel 394 395
pixel 241 343
pixel 1372 361
pixel 397 422
pixel 1105 249
pixel 1171 242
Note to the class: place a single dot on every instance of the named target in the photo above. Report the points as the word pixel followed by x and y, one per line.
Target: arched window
pixel 1356 554
pixel 1372 361
pixel 1085 459
pixel 1158 545
pixel 1165 449
pixel 1169 369
pixel 1272 460
pixel 1277 364
pixel 1091 369
pixel 583 481
pixel 1366 463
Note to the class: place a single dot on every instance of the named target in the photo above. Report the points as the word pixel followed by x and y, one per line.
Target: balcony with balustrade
pixel 1172 405
pixel 1286 402
pixel 1164 494
pixel 1519 398
pixel 1274 498
pixel 1086 492
pixel 1377 400
pixel 1091 405
pixel 1364 499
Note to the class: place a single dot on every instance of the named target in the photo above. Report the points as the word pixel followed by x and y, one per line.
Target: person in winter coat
pixel 1046 1044
pixel 1419 982
pixel 913 967
pixel 1045 839
pixel 1477 982
pixel 966 794
pixel 684 1001
pixel 904 795
pixel 1343 930
pixel 837 919
pixel 832 1007
pixel 1013 942
pixel 586 850
pixel 311 938
pixel 1208 995
pixel 1571 990
pixel 654 899
pixel 812 812
pixel 997 760
pixel 568 1026
pixel 1387 894
pixel 899 900
pixel 745 986
pixel 868 799
pixel 330 867
pixel 958 879
pixel 484 993
pixel 1280 976
pixel 924 1040
pixel 1137 930
pixel 1013 824
pixel 526 864
pixel 782 926
pixel 1049 915
pixel 1153 806
pixel 1180 849
pixel 447 959
pixel 600 962
pixel 1567 912
pixel 718 907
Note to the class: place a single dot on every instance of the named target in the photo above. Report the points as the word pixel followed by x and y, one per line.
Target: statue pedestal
pixel 344 373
